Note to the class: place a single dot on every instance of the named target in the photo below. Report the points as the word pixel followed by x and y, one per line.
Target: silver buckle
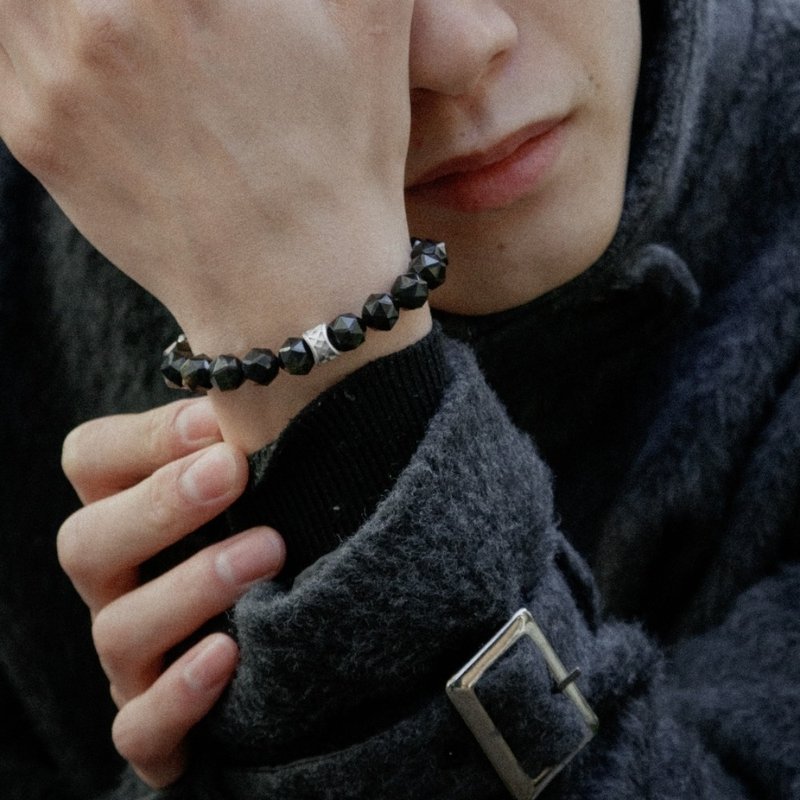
pixel 461 691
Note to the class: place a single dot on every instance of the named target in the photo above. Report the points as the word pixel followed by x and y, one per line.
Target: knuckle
pixel 198 11
pixel 170 428
pixel 110 641
pixel 117 695
pixel 80 460
pixel 71 548
pixel 61 97
pixel 162 499
pixel 160 431
pixel 156 762
pixel 129 741
pixel 34 145
pixel 107 38
pixel 73 462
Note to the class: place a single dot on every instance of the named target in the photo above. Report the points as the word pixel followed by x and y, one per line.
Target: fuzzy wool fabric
pixel 633 480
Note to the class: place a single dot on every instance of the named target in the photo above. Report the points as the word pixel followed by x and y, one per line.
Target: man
pixel 519 122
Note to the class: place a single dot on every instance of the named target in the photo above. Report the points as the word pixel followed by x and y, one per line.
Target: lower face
pixel 545 137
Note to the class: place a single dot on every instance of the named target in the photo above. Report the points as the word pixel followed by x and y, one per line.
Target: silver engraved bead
pixel 321 347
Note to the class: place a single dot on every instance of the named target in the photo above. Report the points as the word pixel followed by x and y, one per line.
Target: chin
pixel 506 258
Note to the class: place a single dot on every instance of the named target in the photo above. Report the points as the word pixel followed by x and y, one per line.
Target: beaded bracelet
pixel 182 369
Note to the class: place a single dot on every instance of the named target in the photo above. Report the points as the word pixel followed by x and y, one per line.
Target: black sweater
pixel 621 457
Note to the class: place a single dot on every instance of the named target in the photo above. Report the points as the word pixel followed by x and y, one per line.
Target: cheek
pixel 608 47
pixel 605 44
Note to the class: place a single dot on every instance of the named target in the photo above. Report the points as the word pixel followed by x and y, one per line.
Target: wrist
pixel 258 290
pixel 251 416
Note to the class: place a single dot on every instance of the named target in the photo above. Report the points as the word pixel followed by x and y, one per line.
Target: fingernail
pixel 209 667
pixel 253 557
pixel 197 424
pixel 210 477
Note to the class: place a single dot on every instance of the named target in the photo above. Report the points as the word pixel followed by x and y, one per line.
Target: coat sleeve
pixel 341 688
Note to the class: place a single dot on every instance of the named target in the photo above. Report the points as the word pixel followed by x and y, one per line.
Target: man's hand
pixel 240 160
pixel 243 161
pixel 148 480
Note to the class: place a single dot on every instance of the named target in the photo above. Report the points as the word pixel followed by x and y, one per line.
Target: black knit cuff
pixel 330 467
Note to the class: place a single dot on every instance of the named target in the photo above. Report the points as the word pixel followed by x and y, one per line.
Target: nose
pixel 455 43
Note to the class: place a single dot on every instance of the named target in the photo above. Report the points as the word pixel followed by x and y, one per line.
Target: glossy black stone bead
pixel 429 247
pixel 410 290
pixel 196 373
pixel 380 312
pixel 296 356
pixel 171 365
pixel 227 373
pixel 173 360
pixel 260 366
pixel 430 268
pixel 346 332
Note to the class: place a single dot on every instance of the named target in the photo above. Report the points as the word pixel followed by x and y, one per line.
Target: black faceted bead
pixel 227 373
pixel 260 366
pixel 429 247
pixel 196 373
pixel 174 358
pixel 381 312
pixel 410 291
pixel 430 268
pixel 346 332
pixel 171 369
pixel 296 356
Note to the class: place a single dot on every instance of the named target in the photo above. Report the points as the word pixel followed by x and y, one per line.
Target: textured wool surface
pixel 634 480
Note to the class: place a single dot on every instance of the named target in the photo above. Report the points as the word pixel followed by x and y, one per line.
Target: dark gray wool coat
pixel 621 457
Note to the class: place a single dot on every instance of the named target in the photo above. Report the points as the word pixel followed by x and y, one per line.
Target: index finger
pixel 106 455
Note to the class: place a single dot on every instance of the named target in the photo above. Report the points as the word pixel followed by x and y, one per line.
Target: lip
pixel 496 176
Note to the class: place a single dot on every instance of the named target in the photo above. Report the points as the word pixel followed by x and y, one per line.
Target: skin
pixel 567 59
pixel 176 474
pixel 113 104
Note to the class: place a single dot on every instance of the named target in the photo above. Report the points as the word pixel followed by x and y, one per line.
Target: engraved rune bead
pixel 321 347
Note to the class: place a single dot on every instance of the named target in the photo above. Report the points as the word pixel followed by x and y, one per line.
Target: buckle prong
pixel 571 678
pixel 461 691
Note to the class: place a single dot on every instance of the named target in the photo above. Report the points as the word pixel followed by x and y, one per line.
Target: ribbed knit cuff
pixel 332 464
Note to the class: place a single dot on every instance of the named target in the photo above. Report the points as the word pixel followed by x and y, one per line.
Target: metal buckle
pixel 461 691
